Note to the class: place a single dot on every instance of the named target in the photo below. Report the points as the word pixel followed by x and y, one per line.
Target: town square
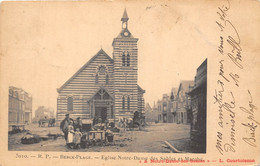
pixel 103 107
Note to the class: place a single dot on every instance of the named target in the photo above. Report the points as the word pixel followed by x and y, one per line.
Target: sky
pixel 46 43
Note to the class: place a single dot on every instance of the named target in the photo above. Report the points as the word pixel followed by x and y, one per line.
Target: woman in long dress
pixel 70 142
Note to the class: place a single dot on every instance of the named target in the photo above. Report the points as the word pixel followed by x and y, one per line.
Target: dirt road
pixel 150 140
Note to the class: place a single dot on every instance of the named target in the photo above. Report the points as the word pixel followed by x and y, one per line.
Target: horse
pixel 131 124
pixel 42 122
pixel 51 122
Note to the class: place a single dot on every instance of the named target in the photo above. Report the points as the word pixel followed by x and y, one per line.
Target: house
pixel 172 106
pixel 199 108
pixel 155 112
pixel 19 106
pixel 183 102
pixel 105 87
pixel 159 110
pixel 165 107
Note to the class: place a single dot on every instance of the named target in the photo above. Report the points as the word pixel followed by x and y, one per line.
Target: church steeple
pixel 124 20
pixel 125 55
pixel 125 16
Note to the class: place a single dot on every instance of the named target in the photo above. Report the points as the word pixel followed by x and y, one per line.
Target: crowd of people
pixel 72 131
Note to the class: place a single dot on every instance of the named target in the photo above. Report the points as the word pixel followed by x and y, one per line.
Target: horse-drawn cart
pixel 137 121
pixel 49 121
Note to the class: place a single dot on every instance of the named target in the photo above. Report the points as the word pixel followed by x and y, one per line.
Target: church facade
pixel 104 87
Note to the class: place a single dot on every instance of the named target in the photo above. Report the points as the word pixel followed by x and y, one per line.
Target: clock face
pixel 126 33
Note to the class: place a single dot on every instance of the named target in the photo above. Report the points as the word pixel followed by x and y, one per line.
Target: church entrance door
pixel 101 112
pixel 101 105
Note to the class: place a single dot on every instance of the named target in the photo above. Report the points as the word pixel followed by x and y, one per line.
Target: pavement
pixel 149 140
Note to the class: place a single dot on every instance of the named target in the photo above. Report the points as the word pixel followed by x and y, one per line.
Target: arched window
pixel 123 59
pixel 128 103
pixel 97 78
pixel 107 79
pixel 123 102
pixel 128 59
pixel 70 104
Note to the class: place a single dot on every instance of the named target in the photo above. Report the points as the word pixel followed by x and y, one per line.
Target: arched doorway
pixel 102 105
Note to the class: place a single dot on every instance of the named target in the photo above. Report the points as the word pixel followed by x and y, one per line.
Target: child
pixel 70 142
pixel 77 138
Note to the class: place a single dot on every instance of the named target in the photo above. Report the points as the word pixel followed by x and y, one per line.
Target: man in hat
pixel 64 125
pixel 78 124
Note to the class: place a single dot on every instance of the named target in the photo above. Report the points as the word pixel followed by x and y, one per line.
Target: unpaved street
pixel 150 140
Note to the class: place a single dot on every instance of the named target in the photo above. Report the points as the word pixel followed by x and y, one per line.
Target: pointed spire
pixel 125 16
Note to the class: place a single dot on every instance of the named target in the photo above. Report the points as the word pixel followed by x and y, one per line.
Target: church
pixel 105 87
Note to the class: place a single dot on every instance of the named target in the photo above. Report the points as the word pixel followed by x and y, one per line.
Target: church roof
pixel 101 51
pixel 140 89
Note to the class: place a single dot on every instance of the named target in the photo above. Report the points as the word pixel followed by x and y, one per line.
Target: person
pixel 136 116
pixel 40 124
pixel 64 126
pixel 106 123
pixel 124 123
pixel 95 121
pixel 78 124
pixel 70 137
pixel 77 138
pixel 99 120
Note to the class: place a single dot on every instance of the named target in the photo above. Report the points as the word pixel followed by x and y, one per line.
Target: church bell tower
pixel 125 55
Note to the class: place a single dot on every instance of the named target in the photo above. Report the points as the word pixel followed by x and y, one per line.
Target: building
pixel 166 107
pixel 19 106
pixel 140 99
pixel 199 108
pixel 151 114
pixel 159 110
pixel 155 112
pixel 105 87
pixel 172 106
pixel 183 102
pixel 163 108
